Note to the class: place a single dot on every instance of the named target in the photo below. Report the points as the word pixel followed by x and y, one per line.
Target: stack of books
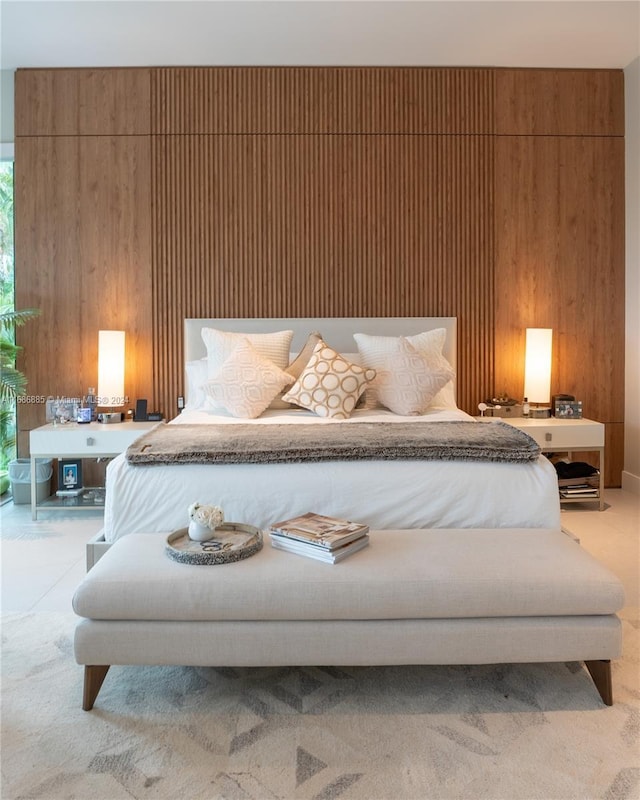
pixel 580 487
pixel 316 536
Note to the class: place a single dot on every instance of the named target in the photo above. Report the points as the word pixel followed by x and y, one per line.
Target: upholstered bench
pixel 411 597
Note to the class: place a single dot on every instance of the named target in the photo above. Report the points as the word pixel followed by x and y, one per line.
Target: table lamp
pixel 110 374
pixel 537 369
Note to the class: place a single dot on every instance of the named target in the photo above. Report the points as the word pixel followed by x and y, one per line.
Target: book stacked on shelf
pixel 317 536
pixel 580 487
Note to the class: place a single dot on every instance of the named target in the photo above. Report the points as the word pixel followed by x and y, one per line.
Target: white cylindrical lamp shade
pixel 537 366
pixel 111 368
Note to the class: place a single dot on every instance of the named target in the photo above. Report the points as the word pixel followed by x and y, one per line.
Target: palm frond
pixel 13 384
pixel 10 318
pixel 8 351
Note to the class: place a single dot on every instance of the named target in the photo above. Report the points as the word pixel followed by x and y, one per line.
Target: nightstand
pixel 73 440
pixel 567 436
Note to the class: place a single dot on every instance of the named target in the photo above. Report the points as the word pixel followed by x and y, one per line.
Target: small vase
pixel 200 533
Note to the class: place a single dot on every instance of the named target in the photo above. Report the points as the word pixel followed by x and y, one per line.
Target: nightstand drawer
pixel 85 440
pixel 555 434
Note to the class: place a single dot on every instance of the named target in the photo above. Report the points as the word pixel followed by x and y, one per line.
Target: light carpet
pixel 505 732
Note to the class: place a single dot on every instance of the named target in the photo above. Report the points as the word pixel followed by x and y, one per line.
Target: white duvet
pixel 382 494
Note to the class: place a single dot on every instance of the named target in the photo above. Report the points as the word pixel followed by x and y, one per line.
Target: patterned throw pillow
pixel 374 351
pixel 407 384
pixel 296 367
pixel 247 382
pixel 329 385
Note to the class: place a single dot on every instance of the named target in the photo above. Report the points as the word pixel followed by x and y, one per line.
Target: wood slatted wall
pixel 327 192
pixel 144 196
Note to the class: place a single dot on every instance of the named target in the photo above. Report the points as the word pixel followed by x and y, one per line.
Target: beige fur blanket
pixel 265 444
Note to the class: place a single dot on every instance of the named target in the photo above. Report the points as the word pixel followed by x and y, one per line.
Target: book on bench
pixel 318 536
pixel 319 553
pixel 319 530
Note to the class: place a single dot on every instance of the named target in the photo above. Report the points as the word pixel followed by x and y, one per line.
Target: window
pixel 7 405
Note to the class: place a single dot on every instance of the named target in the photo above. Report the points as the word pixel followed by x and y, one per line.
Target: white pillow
pixel 329 385
pixel 197 374
pixel 375 349
pixel 408 384
pixel 247 382
pixel 220 344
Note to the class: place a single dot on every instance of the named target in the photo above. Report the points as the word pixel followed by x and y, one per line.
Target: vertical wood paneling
pixel 311 100
pixel 277 226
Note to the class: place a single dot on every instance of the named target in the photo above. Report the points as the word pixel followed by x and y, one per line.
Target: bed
pixel 385 494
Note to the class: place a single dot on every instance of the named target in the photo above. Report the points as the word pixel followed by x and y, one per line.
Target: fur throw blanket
pixel 265 444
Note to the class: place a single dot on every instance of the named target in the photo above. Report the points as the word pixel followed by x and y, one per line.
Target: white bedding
pixel 383 494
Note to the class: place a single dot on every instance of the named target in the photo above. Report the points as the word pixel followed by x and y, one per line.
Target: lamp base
pixel 110 417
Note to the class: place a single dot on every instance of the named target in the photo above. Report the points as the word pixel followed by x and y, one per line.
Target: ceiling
pixel 527 33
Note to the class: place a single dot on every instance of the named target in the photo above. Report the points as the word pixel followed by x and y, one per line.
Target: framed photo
pixel 69 474
pixel 566 409
pixel 63 409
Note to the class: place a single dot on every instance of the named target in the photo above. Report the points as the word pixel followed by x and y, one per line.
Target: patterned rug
pixel 512 732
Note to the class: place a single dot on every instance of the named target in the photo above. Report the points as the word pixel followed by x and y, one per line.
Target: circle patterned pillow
pixel 329 385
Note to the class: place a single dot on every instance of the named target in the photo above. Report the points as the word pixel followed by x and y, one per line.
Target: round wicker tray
pixel 233 542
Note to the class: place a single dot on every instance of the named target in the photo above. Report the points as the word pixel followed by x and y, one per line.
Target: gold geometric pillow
pixel 296 366
pixel 247 382
pixel 329 385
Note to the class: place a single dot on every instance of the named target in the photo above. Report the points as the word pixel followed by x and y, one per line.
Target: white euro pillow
pixel 375 350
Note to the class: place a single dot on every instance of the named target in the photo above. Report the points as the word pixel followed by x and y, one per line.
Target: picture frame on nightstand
pixel 568 409
pixel 69 477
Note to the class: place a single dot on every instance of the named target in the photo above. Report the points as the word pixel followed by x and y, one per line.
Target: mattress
pixel 382 494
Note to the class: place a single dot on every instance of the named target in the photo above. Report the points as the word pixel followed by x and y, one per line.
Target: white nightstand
pixel 73 440
pixel 567 436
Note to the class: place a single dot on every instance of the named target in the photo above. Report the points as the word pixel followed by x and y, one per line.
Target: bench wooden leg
pixel 93 679
pixel 600 672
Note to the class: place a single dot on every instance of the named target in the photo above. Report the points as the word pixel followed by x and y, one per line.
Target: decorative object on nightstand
pixel 69 477
pixel 502 406
pixel 111 374
pixel 537 371
pixel 568 409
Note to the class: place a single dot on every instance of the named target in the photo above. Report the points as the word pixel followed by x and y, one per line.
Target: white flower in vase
pixel 203 521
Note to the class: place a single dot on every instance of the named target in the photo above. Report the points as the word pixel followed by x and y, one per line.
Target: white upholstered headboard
pixel 336 331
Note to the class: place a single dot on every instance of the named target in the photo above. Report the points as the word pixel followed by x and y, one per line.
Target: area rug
pixel 510 732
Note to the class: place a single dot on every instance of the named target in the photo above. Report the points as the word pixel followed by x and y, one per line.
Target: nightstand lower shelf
pixel 91 497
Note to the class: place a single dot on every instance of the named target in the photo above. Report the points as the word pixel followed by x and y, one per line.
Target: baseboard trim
pixel 631 482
